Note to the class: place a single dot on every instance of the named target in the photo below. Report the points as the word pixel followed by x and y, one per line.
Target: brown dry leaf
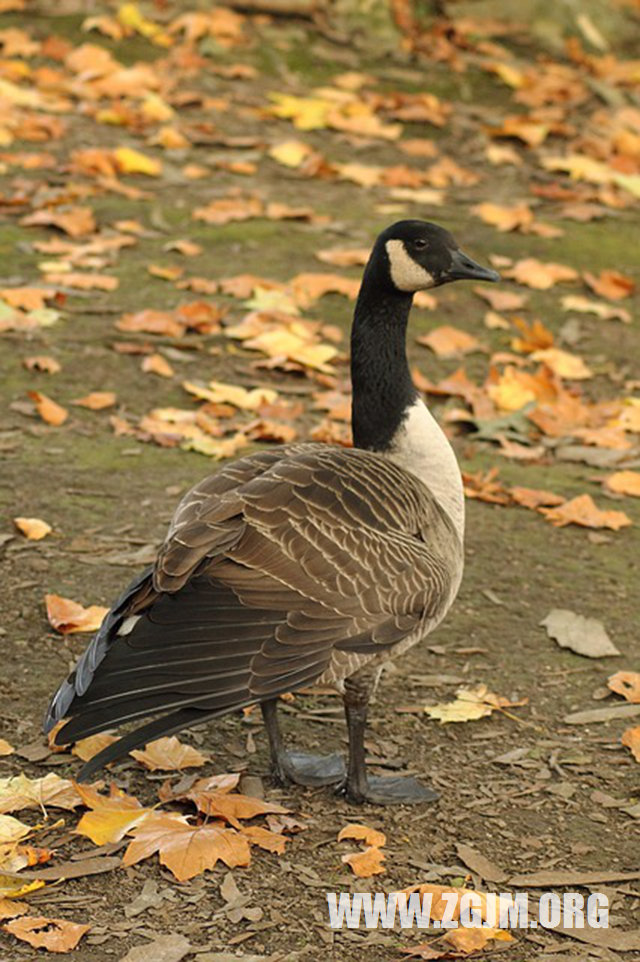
pixel 485 487
pixel 344 256
pixel 68 616
pixel 83 282
pixel 533 497
pixel 169 755
pixel 584 305
pixel 166 272
pixel 186 849
pixel 20 792
pixel 10 908
pixel 228 209
pixel 522 127
pixel 371 836
pixel 156 364
pixel 218 392
pixel 96 400
pixel 5 747
pixel 470 704
pixel 631 740
pixel 42 362
pixel 517 217
pixel 367 863
pixel 151 322
pixel 75 221
pixel 54 935
pixel 26 298
pixel 501 300
pixel 86 748
pixel 232 806
pixel 624 482
pixel 33 528
pixel 265 839
pixel 308 288
pixel 610 284
pixel 563 363
pixel 474 939
pixel 535 336
pixel 49 410
pixel 540 275
pixel 513 389
pixel 627 684
pixel 110 816
pixel 185 247
pixel 447 341
pixel 584 512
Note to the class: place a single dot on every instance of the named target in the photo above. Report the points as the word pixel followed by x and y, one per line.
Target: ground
pixel 556 801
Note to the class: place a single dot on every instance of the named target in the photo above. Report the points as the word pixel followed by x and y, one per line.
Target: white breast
pixel 421 447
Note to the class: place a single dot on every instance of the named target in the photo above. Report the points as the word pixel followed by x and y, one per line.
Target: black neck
pixel 380 376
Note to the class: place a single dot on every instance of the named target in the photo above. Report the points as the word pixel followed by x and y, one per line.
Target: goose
pixel 302 564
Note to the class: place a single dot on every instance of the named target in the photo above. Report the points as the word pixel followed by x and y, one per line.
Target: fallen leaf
pixel 371 836
pixel 83 282
pixel 563 363
pixel 110 816
pixel 624 482
pixel 49 410
pixel 585 636
pixel 151 322
pixel 228 209
pixel 611 284
pixel 344 256
pixel 367 863
pixel 470 704
pixel 583 511
pixel 10 908
pixel 33 528
pixel 12 829
pixel 218 392
pixel 86 748
pixel 18 792
pixel 5 747
pixel 290 153
pixel 631 740
pixel 54 935
pixel 533 497
pixel 264 838
pixel 584 305
pixel 232 806
pixel 167 948
pixel 627 684
pixel 157 364
pixel 186 849
pixel 41 362
pixel 535 336
pixel 169 755
pixel 539 275
pixel 96 400
pixel 68 616
pixel 518 216
pixel 130 161
pixel 447 341
pixel 501 300
pixel 74 221
pixel 474 939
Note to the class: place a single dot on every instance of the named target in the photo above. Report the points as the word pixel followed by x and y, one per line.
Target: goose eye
pixel 420 243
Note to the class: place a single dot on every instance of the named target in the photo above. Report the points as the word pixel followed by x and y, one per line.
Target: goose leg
pixel 301 768
pixel 358 787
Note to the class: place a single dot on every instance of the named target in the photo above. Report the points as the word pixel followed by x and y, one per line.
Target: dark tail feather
pixel 159 727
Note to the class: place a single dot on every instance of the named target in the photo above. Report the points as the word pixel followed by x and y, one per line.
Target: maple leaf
pixel 631 740
pixel 86 748
pixel 610 284
pixel 584 305
pixel 169 755
pixel 264 838
pixel 563 363
pixel 111 816
pixel 583 511
pixel 447 341
pixel 535 336
pixel 20 792
pixel 12 830
pixel 220 393
pixel 210 799
pixel 371 836
pixel 49 410
pixel 469 940
pixel 68 616
pixel 229 209
pixel 186 849
pixel 157 364
pixel 33 528
pixel 627 684
pixel 470 704
pixel 75 221
pixel 623 482
pixel 54 935
pixel 367 863
pixel 151 322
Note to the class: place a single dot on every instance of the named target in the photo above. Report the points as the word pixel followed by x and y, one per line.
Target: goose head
pixel 415 255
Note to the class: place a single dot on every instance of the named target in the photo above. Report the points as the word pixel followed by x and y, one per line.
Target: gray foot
pixel 312 771
pixel 397 790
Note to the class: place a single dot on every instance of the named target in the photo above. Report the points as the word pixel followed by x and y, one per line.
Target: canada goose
pixel 306 563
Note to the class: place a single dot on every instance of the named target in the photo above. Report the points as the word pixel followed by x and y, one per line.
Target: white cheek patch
pixel 406 274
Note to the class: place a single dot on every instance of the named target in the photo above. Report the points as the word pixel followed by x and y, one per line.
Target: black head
pixel 417 255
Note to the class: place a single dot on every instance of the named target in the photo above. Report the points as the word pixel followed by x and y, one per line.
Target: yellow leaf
pixel 6 748
pixel 473 939
pixel 132 161
pixel 86 748
pixel 583 511
pixel 219 393
pixel 624 482
pixel 470 704
pixel 111 816
pixel 169 755
pixel 68 616
pixel 33 528
pixel 447 341
pixel 290 153
pixel 13 888
pixel 12 829
pixel 307 113
pixel 20 792
pixel 563 363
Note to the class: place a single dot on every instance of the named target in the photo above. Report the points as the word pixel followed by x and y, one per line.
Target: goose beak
pixel 463 268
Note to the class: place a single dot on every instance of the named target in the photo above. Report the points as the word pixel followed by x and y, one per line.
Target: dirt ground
pixel 528 790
